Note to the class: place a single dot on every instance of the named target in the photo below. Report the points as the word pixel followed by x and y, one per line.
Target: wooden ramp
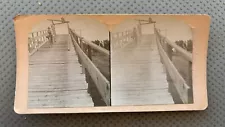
pixel 138 76
pixel 55 77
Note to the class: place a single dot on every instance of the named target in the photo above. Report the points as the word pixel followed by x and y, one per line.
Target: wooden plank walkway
pixel 55 77
pixel 138 76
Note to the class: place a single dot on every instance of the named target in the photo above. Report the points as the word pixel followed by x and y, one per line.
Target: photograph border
pixel 200 24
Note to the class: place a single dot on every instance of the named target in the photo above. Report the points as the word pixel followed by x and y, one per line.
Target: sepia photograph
pixel 69 64
pixel 151 62
pixel 110 63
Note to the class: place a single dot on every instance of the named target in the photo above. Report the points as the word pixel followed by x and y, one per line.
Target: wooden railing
pixel 36 40
pixel 84 50
pixel 122 39
pixel 39 38
pixel 183 88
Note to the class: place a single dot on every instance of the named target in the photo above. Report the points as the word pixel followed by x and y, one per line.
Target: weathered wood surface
pixel 101 82
pixel 56 78
pixel 138 76
pixel 183 89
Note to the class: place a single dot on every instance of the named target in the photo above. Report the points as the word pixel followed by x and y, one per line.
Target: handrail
pixel 119 42
pixel 183 52
pixel 116 36
pixel 35 42
pixel 183 89
pixel 101 82
pixel 92 45
pixel 37 31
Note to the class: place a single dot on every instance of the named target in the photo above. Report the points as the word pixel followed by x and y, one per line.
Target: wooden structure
pixel 184 88
pixel 143 73
pixel 36 40
pixel 138 76
pixel 142 70
pixel 60 77
pixel 56 78
pixel 84 50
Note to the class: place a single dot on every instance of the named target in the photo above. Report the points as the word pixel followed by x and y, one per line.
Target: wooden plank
pixel 55 78
pixel 92 45
pixel 138 76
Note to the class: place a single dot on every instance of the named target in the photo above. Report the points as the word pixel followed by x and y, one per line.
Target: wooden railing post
pixel 90 81
pixel 189 82
pixel 82 48
pixel 78 42
pixel 68 42
pixel 32 40
pixel 37 40
pixel 89 52
pixel 29 44
pixel 169 52
pixel 43 37
pixel 97 82
pixel 180 88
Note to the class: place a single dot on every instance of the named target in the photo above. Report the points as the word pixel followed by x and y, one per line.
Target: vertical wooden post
pixel 53 33
pixel 38 40
pixel 110 40
pixel 77 41
pixel 29 44
pixel 89 52
pixel 189 71
pixel 161 42
pixel 90 81
pixel 169 79
pixel 41 33
pixel 68 42
pixel 189 82
pixel 82 48
pixel 43 38
pixel 45 35
pixel 169 51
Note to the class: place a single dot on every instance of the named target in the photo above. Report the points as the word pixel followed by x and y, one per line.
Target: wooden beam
pixel 103 85
pixel 94 46
pixel 178 81
pixel 60 23
pixel 183 52
pixel 54 20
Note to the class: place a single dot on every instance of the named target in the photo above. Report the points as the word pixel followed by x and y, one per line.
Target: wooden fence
pixel 84 50
pixel 183 88
pixel 36 40
pixel 122 39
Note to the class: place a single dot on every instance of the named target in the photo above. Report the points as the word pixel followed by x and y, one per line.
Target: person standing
pixel 135 35
pixel 50 37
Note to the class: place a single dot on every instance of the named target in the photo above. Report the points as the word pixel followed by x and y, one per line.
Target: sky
pixel 92 29
pixel 171 28
pixel 88 28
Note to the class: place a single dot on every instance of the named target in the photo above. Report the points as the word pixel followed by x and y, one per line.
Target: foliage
pixel 104 44
pixel 187 45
